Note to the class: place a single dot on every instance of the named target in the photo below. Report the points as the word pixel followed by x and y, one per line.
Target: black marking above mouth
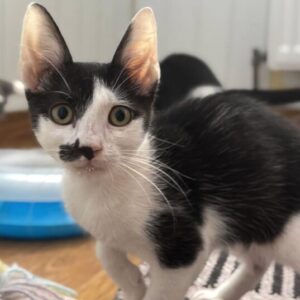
pixel 71 152
pixel 87 152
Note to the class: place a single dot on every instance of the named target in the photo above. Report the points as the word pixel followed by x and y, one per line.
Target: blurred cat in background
pixel 185 76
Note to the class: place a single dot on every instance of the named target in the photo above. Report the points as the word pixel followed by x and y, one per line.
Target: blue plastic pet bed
pixel 30 197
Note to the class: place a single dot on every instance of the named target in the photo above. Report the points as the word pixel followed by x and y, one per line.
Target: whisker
pixel 124 81
pixel 157 188
pixel 131 89
pixel 156 161
pixel 174 184
pixel 140 185
pixel 116 81
pixel 140 151
pixel 60 92
pixel 168 142
pixel 51 150
pixel 111 175
pixel 157 149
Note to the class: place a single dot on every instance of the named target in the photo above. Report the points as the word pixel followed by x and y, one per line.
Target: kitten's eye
pixel 62 114
pixel 120 116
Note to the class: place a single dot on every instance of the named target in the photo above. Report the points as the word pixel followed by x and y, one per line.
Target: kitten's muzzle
pixel 72 152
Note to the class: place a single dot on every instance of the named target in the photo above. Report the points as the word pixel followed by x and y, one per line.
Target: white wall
pixel 222 32
pixel 92 30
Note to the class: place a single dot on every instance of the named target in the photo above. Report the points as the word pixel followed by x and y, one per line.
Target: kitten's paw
pixel 206 294
pixel 137 293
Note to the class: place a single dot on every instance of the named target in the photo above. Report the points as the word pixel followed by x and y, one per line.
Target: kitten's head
pixel 89 115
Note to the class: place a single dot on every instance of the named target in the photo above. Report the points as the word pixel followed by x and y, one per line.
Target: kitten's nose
pixel 90 151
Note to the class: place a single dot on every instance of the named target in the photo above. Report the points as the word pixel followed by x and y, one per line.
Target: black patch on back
pixel 175 231
pixel 241 160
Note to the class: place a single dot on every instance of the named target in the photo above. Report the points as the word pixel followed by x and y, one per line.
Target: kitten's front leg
pixel 126 275
pixel 172 284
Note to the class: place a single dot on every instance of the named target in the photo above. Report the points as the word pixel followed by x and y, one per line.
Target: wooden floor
pixel 70 262
pixel 15 131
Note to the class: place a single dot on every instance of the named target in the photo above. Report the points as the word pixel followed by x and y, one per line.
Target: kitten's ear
pixel 43 49
pixel 137 52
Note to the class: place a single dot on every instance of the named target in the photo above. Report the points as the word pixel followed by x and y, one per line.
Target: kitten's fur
pixel 185 76
pixel 223 172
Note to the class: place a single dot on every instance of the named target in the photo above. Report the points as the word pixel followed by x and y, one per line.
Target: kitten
pixel 185 76
pixel 169 187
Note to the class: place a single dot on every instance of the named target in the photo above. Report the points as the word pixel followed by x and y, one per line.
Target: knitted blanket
pixel 18 284
pixel 278 283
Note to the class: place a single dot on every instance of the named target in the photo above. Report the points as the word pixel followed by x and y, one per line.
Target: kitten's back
pixel 244 158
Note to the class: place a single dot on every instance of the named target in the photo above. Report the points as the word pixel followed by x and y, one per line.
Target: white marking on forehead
pixel 94 121
pixel 102 94
pixel 104 97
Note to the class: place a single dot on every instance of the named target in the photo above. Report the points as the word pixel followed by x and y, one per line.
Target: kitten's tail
pixel 271 97
pixel 185 76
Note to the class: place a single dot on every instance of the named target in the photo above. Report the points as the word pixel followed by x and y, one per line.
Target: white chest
pixel 113 210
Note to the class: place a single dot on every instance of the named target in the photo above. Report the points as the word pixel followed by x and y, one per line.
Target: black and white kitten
pixel 185 76
pixel 223 172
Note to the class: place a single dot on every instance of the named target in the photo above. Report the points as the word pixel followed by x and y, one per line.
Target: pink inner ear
pixel 40 53
pixel 141 61
pixel 41 47
pixel 33 69
pixel 140 54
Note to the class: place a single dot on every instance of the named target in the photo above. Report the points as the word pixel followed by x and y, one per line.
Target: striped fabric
pixel 278 283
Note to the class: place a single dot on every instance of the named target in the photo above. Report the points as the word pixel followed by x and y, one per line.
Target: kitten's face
pixel 89 116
